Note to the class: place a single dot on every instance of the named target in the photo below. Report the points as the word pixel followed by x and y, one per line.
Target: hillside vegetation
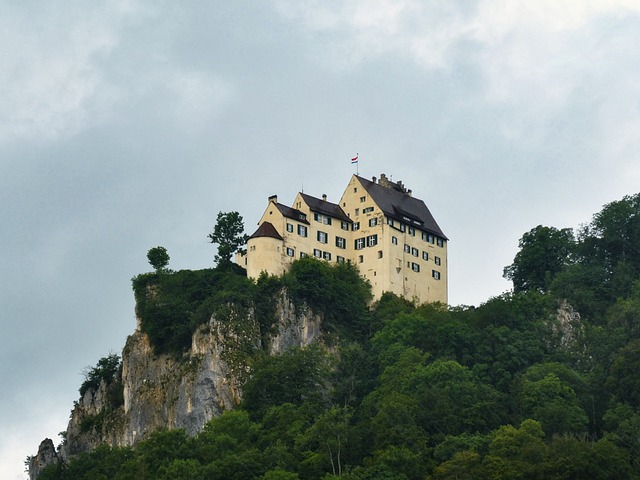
pixel 541 383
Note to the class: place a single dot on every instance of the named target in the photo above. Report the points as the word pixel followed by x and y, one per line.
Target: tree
pixel 544 251
pixel 554 404
pixel 228 234
pixel 158 258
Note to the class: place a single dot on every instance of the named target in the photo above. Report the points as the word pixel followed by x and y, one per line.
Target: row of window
pixel 327 256
pixel 416 268
pixel 323 237
pixel 427 237
pixel 369 241
pixel 364 210
pixel 316 253
pixel 324 219
pixel 302 230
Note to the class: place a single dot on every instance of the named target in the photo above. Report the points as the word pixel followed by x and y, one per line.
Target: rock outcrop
pixel 162 391
pixel 46 456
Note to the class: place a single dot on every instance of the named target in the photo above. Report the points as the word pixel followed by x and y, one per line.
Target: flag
pixel 354 159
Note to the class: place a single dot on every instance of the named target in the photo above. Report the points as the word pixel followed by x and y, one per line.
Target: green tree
pixel 544 251
pixel 228 233
pixel 517 453
pixel 554 404
pixel 158 258
pixel 624 374
pixel 330 435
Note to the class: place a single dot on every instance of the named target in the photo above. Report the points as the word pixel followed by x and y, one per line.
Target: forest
pixel 542 382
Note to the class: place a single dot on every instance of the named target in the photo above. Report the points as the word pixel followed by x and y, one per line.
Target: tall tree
pixel 544 251
pixel 228 233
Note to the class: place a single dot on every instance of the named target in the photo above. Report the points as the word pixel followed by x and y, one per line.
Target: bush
pixel 106 370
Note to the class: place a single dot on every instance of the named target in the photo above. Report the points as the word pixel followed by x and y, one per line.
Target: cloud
pixel 52 64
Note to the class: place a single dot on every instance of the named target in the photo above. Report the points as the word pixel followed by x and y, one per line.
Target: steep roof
pixel 324 207
pixel 266 229
pixel 397 204
pixel 292 213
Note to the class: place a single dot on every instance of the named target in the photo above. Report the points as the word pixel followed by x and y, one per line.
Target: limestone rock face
pixel 46 455
pixel 162 391
pixel 567 327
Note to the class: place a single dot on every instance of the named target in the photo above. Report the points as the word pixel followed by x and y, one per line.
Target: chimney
pixel 410 193
pixel 273 198
pixel 374 179
pixel 324 197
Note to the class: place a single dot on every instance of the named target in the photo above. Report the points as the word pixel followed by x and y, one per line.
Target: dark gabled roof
pixel 266 229
pixel 324 207
pixel 292 213
pixel 395 203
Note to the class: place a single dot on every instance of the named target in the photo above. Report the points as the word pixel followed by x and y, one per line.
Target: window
pixel 425 256
pixel 437 260
pixel 344 225
pixel 435 274
pixel 355 226
pixel 440 242
pixel 424 236
pixel 390 222
pixel 373 222
pixel 394 240
pixel 302 216
pixel 289 227
pixel 339 259
pixel 325 219
pixel 414 252
pixel 357 212
pixel 290 252
pixel 407 248
pixel 355 189
pixel 302 230
pixel 372 240
pixel 360 258
pixel 402 227
pixel 326 255
pixel 303 255
pixel 367 210
pixel 379 253
pixel 341 242
pixel 317 253
pixel 359 243
pixel 363 199
pixel 415 267
pixel 412 231
pixel 322 237
pixel 430 238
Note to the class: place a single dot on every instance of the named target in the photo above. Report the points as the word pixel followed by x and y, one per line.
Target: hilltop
pixel 296 377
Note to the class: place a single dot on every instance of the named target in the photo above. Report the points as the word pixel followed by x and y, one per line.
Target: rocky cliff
pixel 162 391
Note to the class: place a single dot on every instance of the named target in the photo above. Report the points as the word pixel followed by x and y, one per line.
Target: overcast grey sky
pixel 129 124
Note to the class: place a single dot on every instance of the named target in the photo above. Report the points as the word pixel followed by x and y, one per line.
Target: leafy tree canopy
pixel 544 251
pixel 158 258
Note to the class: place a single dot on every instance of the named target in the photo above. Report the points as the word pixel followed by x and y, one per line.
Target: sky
pixel 130 124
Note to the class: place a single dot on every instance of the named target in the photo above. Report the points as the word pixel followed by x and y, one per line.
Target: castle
pixel 378 225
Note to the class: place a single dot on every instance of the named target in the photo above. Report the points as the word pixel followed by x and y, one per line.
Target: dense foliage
pixel 172 305
pixel 105 370
pixel 525 386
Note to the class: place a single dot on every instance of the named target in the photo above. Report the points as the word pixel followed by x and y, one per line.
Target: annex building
pixel 378 225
